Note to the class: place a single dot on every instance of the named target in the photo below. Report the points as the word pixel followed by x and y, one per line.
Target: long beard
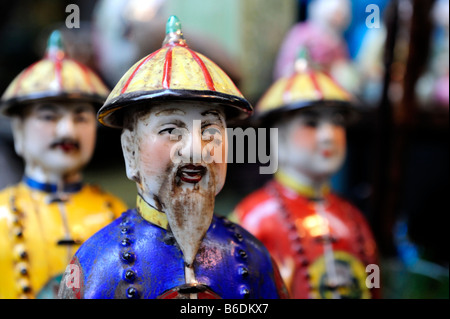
pixel 189 209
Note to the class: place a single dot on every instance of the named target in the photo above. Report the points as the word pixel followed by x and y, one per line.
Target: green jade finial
pixel 302 61
pixel 174 35
pixel 55 47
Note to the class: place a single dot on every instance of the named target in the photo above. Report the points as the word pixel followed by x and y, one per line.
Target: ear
pixel 129 153
pixel 17 131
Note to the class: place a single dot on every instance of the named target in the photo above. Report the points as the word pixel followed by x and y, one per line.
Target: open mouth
pixel 191 173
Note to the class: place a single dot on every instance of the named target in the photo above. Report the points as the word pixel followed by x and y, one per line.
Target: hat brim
pixel 14 106
pixel 269 117
pixel 112 114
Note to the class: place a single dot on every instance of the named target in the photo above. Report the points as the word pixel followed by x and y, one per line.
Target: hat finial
pixel 55 48
pixel 174 35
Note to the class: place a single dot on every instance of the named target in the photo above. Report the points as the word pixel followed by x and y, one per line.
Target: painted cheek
pixel 340 139
pixel 87 138
pixel 304 138
pixel 38 135
pixel 155 156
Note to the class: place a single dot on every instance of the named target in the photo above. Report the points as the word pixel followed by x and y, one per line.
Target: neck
pixel 150 213
pixel 302 183
pixel 42 176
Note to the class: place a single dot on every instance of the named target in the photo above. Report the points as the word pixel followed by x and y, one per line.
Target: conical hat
pixel 306 87
pixel 55 77
pixel 174 72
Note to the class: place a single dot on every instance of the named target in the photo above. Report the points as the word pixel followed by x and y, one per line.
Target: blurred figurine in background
pixel 126 30
pixel 172 106
pixel 433 85
pixel 322 34
pixel 45 217
pixel 322 243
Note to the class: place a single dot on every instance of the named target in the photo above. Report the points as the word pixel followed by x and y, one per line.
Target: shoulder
pixel 114 202
pixel 5 195
pixel 345 205
pixel 9 197
pixel 254 203
pixel 228 231
pixel 256 271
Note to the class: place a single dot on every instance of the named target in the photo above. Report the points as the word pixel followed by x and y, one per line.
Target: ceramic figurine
pixel 322 35
pixel 45 217
pixel 172 106
pixel 321 242
pixel 432 87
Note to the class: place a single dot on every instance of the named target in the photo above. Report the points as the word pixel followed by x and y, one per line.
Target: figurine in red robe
pixel 322 243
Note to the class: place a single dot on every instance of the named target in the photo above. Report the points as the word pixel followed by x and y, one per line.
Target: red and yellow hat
pixel 174 72
pixel 307 87
pixel 55 77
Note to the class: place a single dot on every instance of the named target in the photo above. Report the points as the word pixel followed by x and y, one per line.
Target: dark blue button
pixel 128 256
pixel 132 293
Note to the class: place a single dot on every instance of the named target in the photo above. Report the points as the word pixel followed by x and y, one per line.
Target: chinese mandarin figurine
pixel 322 243
pixel 172 107
pixel 322 35
pixel 45 217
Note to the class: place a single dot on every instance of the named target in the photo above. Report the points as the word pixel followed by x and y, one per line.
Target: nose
pixel 192 144
pixel 326 132
pixel 66 126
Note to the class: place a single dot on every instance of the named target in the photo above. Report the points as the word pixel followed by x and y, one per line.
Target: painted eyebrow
pixel 47 107
pixel 170 111
pixel 211 112
pixel 83 108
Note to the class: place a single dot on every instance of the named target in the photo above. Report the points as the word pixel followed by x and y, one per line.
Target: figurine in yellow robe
pixel 45 217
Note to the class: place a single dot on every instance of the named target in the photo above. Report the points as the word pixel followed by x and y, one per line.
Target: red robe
pixel 321 247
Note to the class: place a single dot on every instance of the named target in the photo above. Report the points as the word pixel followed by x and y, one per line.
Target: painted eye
pixel 168 130
pixel 339 119
pixel 48 117
pixel 210 132
pixel 311 122
pixel 81 118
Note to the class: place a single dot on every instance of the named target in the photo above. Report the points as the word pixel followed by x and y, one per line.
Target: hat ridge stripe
pixel 148 58
pixel 167 69
pixel 206 75
pixel 330 77
pixel 288 87
pixel 313 78
pixel 23 76
pixel 85 74
pixel 58 71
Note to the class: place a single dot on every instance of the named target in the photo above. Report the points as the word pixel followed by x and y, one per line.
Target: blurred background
pixel 392 54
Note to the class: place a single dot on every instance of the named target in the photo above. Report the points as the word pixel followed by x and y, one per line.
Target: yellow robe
pixel 38 235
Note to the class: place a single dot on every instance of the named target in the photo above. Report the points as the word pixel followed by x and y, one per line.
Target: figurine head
pixel 55 138
pixel 333 14
pixel 310 111
pixel 172 107
pixel 176 145
pixel 312 143
pixel 53 104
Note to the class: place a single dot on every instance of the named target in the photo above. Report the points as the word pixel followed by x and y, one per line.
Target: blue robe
pixel 133 258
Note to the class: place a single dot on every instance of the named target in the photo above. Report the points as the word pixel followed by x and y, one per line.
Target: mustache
pixel 65 142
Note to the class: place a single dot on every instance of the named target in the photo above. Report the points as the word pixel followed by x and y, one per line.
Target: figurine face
pixel 334 13
pixel 315 144
pixel 55 138
pixel 175 137
pixel 165 152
